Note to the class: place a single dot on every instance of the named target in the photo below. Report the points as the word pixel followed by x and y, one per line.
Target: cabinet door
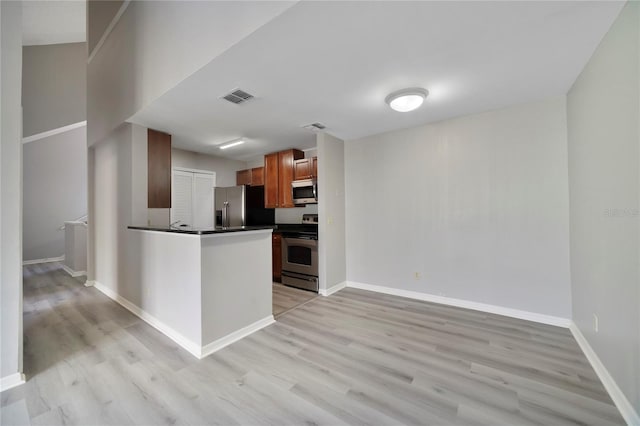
pixel 257 176
pixel 158 170
pixel 314 167
pixel 285 170
pixel 276 257
pixel 271 181
pixel 243 177
pixel 301 169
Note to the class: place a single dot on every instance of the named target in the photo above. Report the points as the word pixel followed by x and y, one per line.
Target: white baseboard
pixel 626 409
pixel 191 347
pixel 467 304
pixel 89 283
pixel 329 291
pixel 47 260
pixel 72 272
pixel 11 381
pixel 235 336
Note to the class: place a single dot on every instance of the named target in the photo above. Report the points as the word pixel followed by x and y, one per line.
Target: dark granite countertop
pixel 199 231
pixel 295 227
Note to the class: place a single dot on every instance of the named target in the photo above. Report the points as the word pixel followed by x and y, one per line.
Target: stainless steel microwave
pixel 305 191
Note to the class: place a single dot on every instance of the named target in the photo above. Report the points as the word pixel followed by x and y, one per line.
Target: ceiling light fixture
pixel 406 100
pixel 229 145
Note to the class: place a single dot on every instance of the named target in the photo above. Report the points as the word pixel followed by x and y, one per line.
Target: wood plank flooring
pixel 286 298
pixel 353 358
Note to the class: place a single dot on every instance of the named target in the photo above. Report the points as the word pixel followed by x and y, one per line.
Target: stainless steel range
pixel 300 253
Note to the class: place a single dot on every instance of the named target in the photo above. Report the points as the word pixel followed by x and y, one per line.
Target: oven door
pixel 300 254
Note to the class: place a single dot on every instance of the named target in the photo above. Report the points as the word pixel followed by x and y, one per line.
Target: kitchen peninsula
pixel 203 288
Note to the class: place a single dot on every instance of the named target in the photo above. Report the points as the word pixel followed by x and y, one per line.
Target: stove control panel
pixel 310 219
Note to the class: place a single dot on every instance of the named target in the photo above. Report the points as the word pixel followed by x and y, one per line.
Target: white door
pixel 203 200
pixel 182 198
pixel 192 198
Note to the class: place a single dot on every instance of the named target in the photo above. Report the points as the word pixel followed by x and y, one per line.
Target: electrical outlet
pixel 596 324
pixel 330 220
pixel 416 275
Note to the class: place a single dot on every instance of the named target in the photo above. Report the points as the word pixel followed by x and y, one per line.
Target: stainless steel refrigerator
pixel 241 206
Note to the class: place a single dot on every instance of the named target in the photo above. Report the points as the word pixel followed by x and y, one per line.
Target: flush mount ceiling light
pixel 406 99
pixel 231 144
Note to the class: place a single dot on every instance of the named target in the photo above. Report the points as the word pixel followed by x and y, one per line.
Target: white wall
pixel 155 45
pixel 604 158
pixel 54 191
pixel 54 86
pixel 139 176
pixel 225 168
pixel 10 192
pixel 112 212
pixel 477 206
pixel 100 13
pixel 331 212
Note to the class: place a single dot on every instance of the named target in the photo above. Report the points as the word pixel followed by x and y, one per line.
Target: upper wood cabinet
pixel 158 170
pixel 305 168
pixel 278 175
pixel 243 177
pixel 251 177
pixel 271 181
pixel 257 176
pixel 302 169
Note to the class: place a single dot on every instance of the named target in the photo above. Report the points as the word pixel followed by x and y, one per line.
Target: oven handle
pixel 305 242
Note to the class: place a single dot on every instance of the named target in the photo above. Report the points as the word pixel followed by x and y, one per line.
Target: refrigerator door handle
pixel 225 215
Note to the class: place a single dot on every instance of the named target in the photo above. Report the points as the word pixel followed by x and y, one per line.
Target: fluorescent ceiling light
pixel 229 145
pixel 407 99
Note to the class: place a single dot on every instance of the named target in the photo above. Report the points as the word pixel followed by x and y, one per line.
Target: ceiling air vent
pixel 238 97
pixel 315 127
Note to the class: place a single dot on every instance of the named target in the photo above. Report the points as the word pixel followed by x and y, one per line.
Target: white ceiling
pixel 334 62
pixel 53 22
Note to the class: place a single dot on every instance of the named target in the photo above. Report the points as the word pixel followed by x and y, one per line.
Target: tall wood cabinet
pixel 158 170
pixel 271 181
pixel 278 175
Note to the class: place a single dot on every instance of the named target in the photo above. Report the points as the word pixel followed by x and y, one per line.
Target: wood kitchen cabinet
pixel 278 175
pixel 306 168
pixel 271 181
pixel 302 169
pixel 243 177
pixel 158 170
pixel 257 176
pixel 251 177
pixel 276 256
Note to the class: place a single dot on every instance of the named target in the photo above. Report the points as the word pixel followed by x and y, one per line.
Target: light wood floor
pixel 286 298
pixel 353 358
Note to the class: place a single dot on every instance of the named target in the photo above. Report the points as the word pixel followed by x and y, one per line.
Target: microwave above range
pixel 305 191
